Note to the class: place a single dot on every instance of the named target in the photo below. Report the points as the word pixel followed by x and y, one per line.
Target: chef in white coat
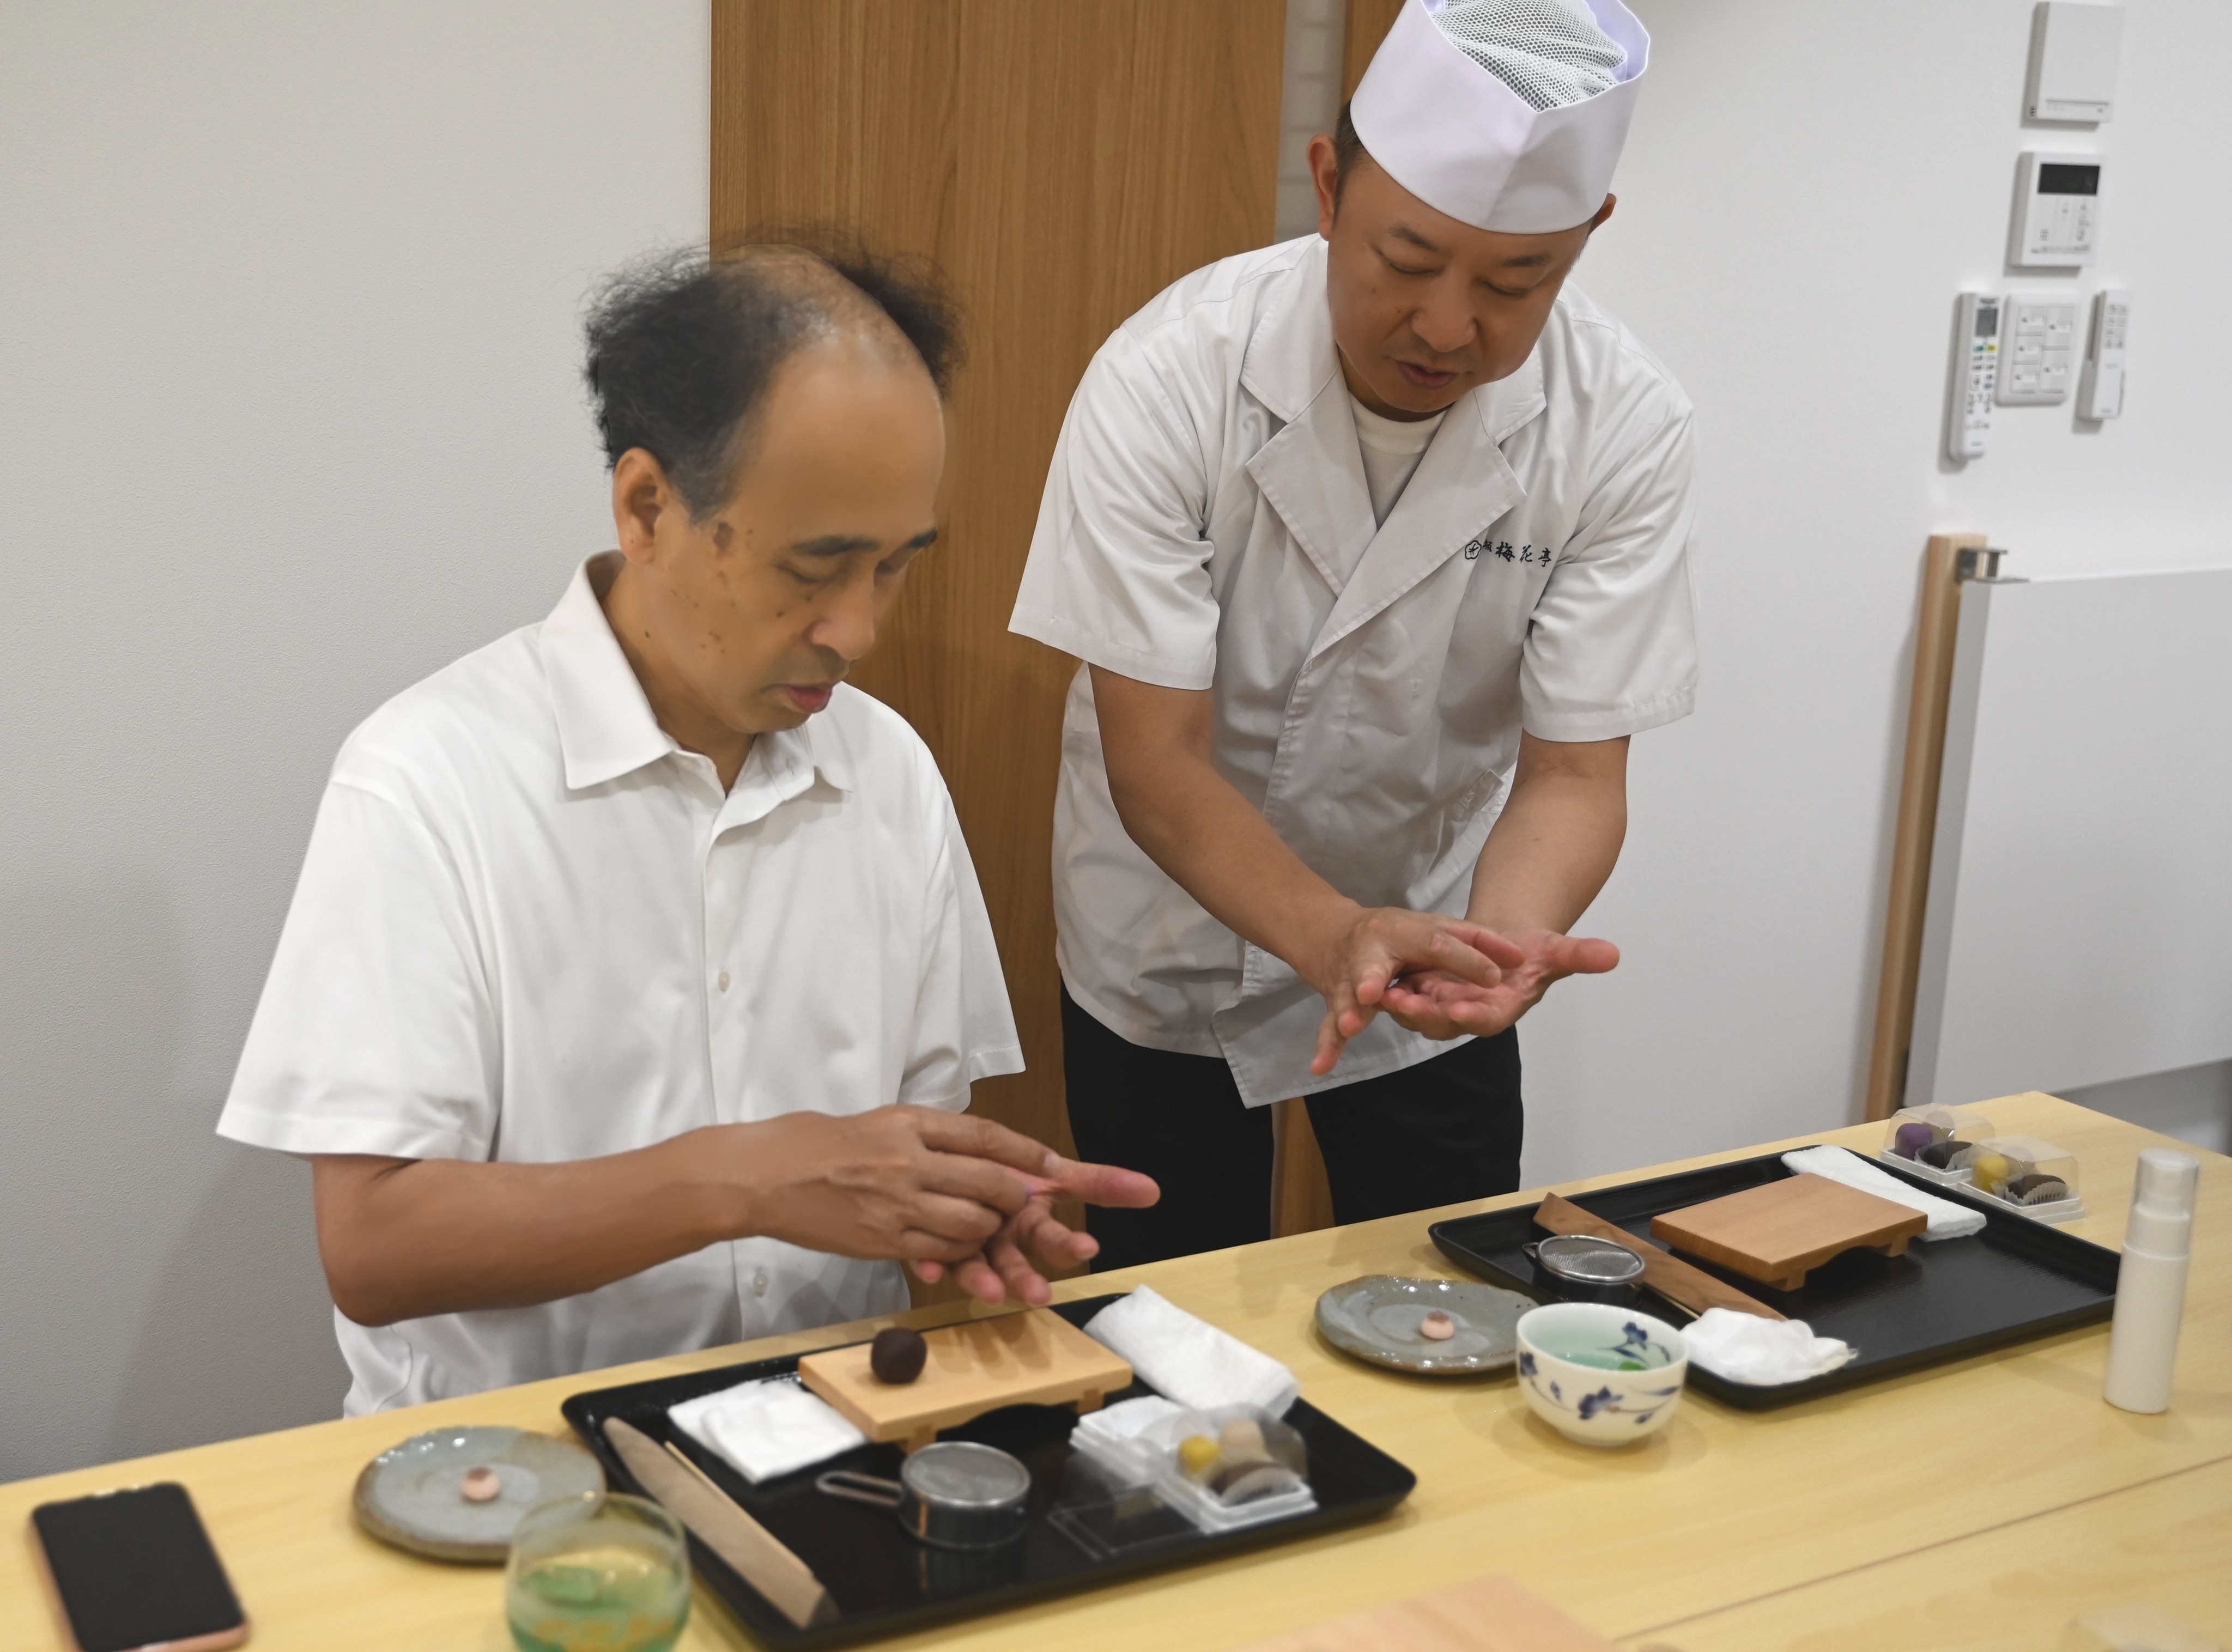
pixel 1373 545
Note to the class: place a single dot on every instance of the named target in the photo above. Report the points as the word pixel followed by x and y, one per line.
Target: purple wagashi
pixel 1911 1137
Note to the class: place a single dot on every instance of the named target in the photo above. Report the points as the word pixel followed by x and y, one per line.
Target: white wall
pixel 289 415
pixel 1807 187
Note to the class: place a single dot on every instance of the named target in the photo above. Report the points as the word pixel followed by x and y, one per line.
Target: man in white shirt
pixel 1374 547
pixel 637 973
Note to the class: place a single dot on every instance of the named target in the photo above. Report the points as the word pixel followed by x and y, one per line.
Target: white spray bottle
pixel 2150 1281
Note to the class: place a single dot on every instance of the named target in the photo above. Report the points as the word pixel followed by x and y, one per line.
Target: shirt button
pixel 722 980
pixel 759 1282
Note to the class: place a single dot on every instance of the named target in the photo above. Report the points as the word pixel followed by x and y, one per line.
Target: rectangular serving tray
pixel 1944 1299
pixel 885 1582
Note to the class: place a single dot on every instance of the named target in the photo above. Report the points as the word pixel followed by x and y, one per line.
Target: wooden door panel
pixel 1062 161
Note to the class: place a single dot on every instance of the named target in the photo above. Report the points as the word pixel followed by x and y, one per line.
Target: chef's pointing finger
pixel 1463 958
pixel 1499 949
pixel 1108 1185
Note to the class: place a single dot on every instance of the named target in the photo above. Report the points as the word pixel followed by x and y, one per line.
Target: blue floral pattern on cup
pixel 1638 1404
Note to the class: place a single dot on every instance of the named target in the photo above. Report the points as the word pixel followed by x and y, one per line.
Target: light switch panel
pixel 2038 349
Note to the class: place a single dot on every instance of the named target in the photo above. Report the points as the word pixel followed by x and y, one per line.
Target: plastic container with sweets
pixel 1223 1469
pixel 2036 1177
pixel 1929 1141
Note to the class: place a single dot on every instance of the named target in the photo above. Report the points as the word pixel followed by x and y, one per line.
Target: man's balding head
pixel 683 351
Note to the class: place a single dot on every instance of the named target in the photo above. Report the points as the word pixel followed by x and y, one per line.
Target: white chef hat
pixel 1505 114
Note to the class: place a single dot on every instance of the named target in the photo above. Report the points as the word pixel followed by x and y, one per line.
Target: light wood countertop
pixel 1725 1528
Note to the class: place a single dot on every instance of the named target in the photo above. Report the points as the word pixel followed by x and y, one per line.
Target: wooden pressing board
pixel 1032 1358
pixel 1781 1231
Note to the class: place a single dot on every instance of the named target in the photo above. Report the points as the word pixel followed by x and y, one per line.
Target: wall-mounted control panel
pixel 1975 368
pixel 2101 393
pixel 2075 53
pixel 2038 348
pixel 2057 216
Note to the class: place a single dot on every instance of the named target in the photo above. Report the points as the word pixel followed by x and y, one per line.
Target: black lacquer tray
pixel 1943 1300
pixel 1081 1536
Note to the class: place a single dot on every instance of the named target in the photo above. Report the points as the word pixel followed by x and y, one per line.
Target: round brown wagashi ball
pixel 897 1354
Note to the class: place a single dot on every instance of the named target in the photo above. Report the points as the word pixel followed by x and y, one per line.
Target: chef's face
pixel 1426 307
pixel 752 615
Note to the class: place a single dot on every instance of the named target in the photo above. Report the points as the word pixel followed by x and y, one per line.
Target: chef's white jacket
pixel 531 928
pixel 1206 525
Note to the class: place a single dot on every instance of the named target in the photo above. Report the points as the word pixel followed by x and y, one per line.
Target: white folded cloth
pixel 1744 1348
pixel 1111 1436
pixel 1189 1359
pixel 1947 1220
pixel 768 1427
pixel 1126 1420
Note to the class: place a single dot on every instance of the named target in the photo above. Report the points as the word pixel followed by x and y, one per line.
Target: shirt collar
pixel 605 725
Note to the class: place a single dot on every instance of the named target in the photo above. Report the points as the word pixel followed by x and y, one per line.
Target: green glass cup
pixel 597 1572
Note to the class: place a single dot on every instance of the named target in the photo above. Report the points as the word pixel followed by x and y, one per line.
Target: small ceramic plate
pixel 1377 1318
pixel 412 1495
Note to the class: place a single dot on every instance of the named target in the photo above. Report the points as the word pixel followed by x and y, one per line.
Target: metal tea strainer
pixel 1583 1268
pixel 954 1495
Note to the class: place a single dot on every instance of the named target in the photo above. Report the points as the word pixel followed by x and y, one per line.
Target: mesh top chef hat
pixel 1505 114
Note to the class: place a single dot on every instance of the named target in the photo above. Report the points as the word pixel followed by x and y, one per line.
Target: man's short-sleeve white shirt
pixel 531 928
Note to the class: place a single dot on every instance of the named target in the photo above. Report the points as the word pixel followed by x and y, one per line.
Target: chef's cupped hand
pixel 1443 977
pixel 943 1192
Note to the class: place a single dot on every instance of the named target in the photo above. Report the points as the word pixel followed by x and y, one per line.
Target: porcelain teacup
pixel 1602 1376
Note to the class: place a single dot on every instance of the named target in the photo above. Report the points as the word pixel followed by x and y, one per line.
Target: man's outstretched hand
pixel 1033 1243
pixel 1444 1005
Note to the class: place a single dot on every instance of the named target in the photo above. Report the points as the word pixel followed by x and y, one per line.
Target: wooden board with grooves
pixel 1031 1358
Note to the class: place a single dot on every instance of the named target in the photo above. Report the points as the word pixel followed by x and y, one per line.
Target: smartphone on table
pixel 134 1573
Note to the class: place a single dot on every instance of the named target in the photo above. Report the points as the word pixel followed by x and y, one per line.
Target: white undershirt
pixel 1391 449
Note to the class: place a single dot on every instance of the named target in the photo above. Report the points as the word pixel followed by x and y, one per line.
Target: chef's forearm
pixel 404 1238
pixel 1195 825
pixel 1557 839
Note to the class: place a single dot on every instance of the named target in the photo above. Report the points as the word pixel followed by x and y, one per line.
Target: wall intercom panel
pixel 2057 218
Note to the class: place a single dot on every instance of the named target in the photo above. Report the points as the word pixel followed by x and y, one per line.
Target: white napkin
pixel 1190 1359
pixel 1110 1436
pixel 1947 1220
pixel 768 1427
pixel 1744 1348
pixel 1126 1420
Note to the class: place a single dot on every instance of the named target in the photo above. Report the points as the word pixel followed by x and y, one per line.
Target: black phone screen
pixel 135 1569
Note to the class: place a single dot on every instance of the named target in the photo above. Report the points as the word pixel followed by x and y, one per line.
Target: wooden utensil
pixel 717 1521
pixel 1036 1358
pixel 1670 1276
pixel 1778 1232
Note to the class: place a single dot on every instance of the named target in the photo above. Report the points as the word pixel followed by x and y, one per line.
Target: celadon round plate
pixel 412 1495
pixel 1377 1318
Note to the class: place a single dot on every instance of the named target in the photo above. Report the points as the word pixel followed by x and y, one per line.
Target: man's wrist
pixel 1325 929
pixel 716 1190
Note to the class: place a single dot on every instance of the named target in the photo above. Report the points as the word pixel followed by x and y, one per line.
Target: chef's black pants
pixel 1444 1131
